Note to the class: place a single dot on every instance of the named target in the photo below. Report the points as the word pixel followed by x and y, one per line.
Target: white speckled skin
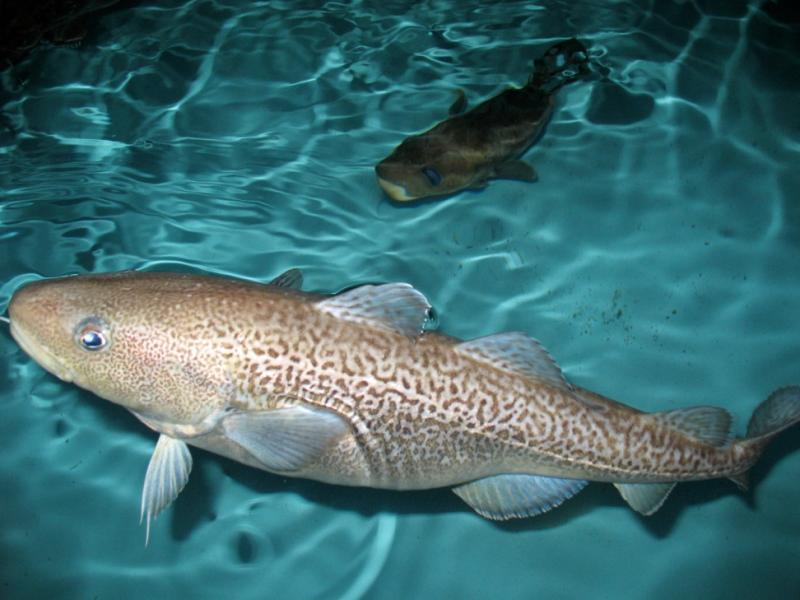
pixel 187 350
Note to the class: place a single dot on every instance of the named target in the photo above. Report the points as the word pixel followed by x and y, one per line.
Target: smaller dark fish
pixel 469 149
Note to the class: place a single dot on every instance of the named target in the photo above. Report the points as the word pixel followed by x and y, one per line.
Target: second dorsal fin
pixel 516 352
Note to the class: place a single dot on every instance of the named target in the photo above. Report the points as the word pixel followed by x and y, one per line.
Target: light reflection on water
pixel 655 257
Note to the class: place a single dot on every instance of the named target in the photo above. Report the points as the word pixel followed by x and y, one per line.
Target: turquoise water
pixel 656 258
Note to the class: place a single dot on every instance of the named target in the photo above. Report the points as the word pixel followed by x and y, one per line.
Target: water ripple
pixel 656 257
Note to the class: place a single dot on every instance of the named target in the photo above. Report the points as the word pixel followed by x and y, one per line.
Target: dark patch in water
pixel 614 105
pixel 245 548
pixel 782 11
pixel 61 428
pixel 194 505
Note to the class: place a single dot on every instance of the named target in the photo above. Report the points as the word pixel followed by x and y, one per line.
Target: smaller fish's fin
pixel 460 104
pixel 515 169
pixel 396 307
pixel 167 474
pixel 503 497
pixel 285 439
pixel 645 498
pixel 479 185
pixel 516 352
pixel 292 279
pixel 708 424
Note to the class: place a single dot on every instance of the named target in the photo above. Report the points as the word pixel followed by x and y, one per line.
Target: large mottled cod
pixel 350 389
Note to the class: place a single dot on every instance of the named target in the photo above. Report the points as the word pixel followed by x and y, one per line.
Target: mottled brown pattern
pixel 187 349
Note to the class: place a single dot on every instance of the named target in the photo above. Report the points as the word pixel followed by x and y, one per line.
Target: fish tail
pixel 780 411
pixel 562 63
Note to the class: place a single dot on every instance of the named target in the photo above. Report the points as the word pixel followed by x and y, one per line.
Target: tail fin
pixel 562 63
pixel 778 412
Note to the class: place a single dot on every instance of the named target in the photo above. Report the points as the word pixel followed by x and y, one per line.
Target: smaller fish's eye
pixel 91 335
pixel 433 176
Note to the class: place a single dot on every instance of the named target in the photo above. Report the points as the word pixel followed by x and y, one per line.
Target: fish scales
pixel 411 403
pixel 348 389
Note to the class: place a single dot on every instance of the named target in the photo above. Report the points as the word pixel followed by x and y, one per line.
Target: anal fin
pixel 645 498
pixel 742 481
pixel 502 497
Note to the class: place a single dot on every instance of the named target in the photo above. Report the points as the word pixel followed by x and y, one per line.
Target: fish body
pixel 468 149
pixel 348 389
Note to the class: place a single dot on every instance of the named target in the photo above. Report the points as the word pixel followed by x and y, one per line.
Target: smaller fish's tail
pixel 562 63
pixel 780 411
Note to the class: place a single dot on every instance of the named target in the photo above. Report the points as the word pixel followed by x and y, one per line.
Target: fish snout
pixel 35 320
pixel 381 170
pixel 395 191
pixel 30 305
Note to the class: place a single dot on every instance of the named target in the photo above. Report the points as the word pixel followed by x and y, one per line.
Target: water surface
pixel 656 258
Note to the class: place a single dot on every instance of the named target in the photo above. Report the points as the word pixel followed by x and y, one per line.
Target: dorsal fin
pixel 707 424
pixel 292 279
pixel 516 352
pixel 396 307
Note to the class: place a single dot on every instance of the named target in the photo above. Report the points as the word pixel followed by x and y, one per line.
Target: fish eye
pixel 91 335
pixel 433 176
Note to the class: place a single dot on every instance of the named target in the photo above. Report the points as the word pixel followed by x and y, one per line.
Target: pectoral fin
pixel 166 476
pixel 515 169
pixel 285 439
pixel 503 497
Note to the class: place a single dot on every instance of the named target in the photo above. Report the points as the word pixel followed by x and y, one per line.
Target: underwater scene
pixel 637 213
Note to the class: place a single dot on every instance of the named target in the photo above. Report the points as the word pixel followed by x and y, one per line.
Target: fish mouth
pixel 40 354
pixel 394 191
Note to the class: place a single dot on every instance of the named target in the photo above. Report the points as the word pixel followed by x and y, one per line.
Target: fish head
pixel 424 166
pixel 125 337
